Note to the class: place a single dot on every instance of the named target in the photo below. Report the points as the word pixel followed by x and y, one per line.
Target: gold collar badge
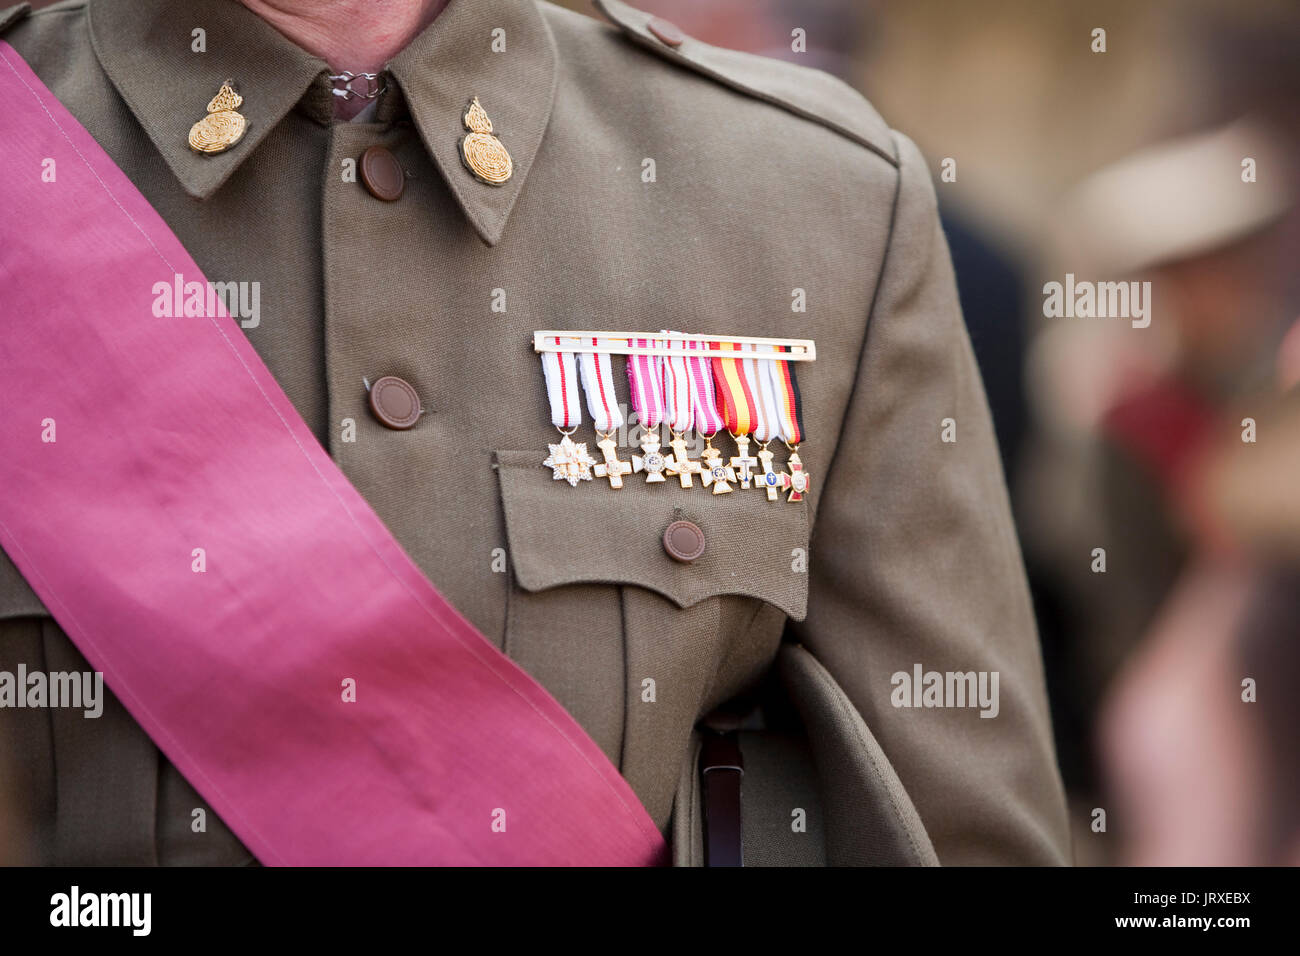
pixel 482 153
pixel 222 128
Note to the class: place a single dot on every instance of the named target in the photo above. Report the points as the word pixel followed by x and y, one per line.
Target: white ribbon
pixel 769 422
pixel 598 381
pixel 562 386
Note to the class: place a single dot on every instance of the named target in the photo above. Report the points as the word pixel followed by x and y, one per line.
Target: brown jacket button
pixel 382 174
pixel 394 402
pixel 684 541
pixel 669 34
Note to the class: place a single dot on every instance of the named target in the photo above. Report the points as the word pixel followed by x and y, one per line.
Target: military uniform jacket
pixel 654 186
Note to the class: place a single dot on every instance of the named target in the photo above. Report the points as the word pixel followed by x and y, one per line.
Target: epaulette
pixel 806 92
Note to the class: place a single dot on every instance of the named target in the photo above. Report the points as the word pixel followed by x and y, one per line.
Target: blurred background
pixel 1155 471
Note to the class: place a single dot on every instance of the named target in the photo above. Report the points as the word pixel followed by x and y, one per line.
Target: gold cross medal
pixel 743 462
pixel 680 464
pixel 223 127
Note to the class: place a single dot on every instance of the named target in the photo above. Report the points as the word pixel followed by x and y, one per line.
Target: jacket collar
pixel 144 47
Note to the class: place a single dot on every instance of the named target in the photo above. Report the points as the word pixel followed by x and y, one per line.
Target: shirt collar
pixel 145 49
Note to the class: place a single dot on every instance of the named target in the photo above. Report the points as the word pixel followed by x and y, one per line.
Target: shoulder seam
pixel 12 15
pixel 632 23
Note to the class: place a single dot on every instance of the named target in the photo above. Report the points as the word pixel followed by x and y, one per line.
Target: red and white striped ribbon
pixel 645 379
pixel 598 381
pixel 704 400
pixel 561 374
pixel 678 411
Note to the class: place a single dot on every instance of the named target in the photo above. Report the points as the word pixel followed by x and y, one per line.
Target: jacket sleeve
pixel 915 562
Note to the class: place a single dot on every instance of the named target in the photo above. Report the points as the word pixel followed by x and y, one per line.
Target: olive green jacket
pixel 654 186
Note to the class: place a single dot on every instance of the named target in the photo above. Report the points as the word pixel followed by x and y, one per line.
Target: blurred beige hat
pixel 1175 200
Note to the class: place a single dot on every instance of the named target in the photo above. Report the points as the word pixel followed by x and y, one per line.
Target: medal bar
pixel 624 343
pixel 740 386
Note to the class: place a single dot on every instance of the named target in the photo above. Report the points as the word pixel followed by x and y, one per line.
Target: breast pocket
pixel 635 642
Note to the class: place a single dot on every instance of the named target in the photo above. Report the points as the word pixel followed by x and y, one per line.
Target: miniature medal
pixel 691 384
pixel 680 415
pixel 679 464
pixel 645 379
pixel 743 462
pixel 482 152
pixel 780 392
pixel 653 462
pixel 796 479
pixel 770 480
pixel 222 128
pixel 606 413
pixel 568 458
pixel 714 473
pixel 612 468
pixel 738 393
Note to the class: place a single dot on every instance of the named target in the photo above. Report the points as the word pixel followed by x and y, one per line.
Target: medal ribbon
pixel 704 401
pixel 562 385
pixel 645 379
pixel 765 428
pixel 781 387
pixel 737 389
pixel 598 381
pixel 678 409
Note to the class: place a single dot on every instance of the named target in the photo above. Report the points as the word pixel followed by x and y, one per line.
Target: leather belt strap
pixel 722 768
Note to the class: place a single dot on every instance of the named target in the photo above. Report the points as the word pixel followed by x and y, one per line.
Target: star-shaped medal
pixel 570 461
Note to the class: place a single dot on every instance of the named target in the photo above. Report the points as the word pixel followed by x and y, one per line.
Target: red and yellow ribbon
pixel 735 393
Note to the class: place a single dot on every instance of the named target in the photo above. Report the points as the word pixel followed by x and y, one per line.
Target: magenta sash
pixel 171 435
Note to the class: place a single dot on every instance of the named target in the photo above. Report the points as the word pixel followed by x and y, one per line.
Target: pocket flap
pixel 593 533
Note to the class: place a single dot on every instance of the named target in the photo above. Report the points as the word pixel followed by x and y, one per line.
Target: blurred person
pixel 1200 733
pixel 1140 403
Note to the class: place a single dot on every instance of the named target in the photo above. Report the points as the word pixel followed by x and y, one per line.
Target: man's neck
pixel 359 36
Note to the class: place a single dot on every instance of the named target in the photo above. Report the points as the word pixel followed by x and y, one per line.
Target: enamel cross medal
pixel 569 459
pixel 770 479
pixel 714 473
pixel 796 479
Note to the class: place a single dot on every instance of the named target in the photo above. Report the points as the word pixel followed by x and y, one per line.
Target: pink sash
pixel 171 435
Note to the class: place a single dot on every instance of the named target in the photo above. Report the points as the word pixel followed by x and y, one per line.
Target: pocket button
pixel 684 541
